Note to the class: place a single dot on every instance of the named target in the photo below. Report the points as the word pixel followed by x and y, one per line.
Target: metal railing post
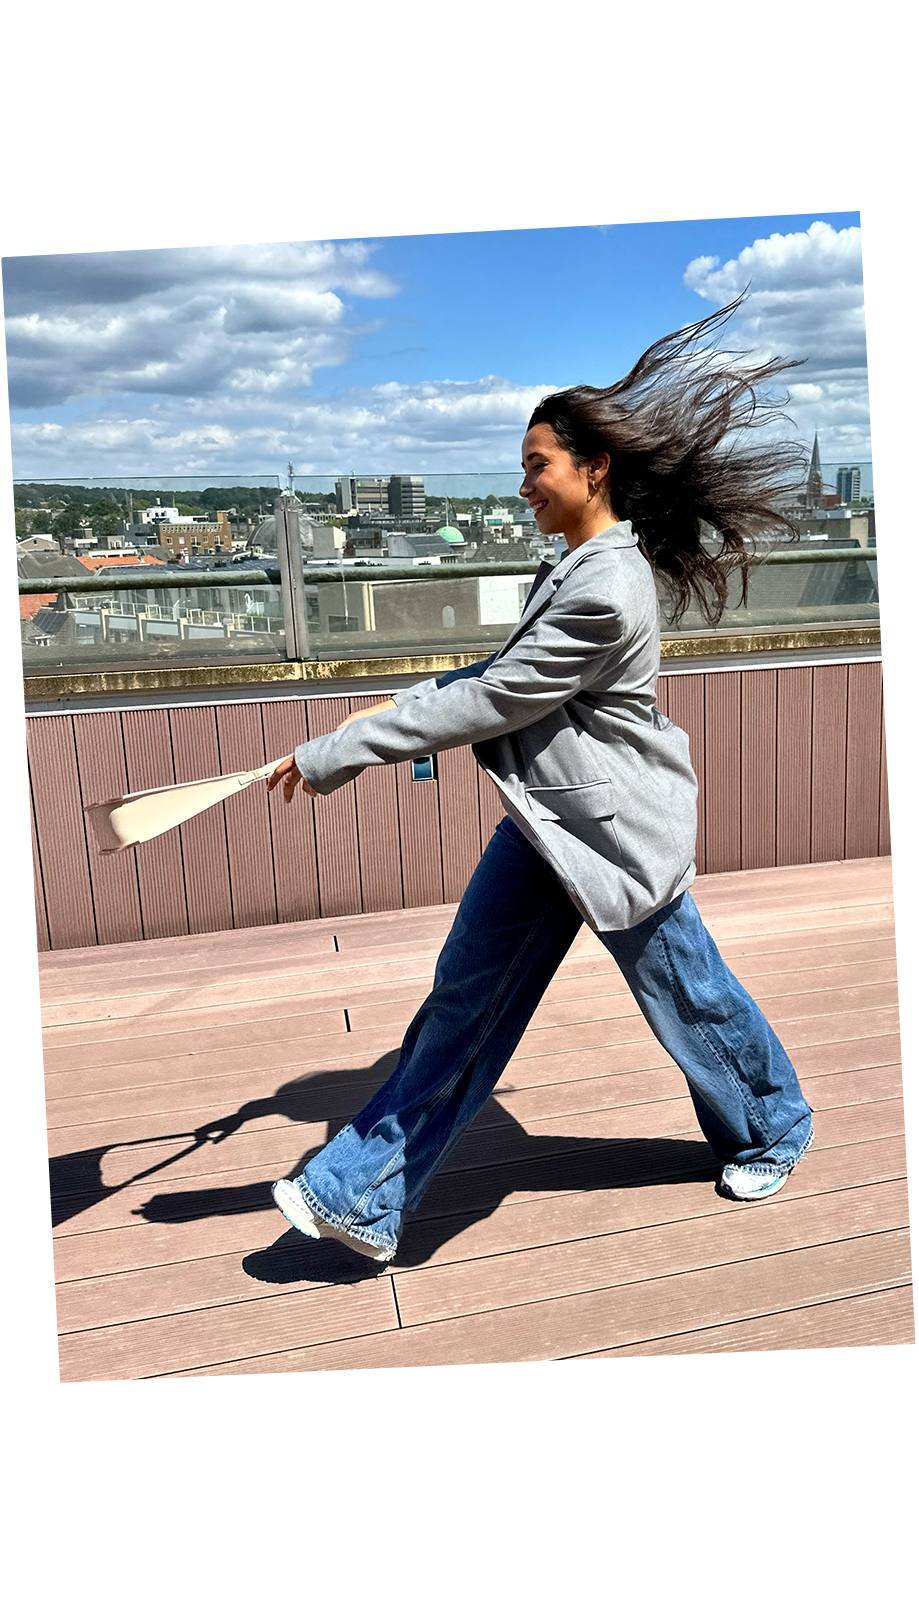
pixel 293 589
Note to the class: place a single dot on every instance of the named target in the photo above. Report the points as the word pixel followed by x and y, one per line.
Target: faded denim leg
pixel 512 929
pixel 743 1085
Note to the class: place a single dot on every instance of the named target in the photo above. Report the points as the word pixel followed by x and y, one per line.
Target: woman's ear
pixel 598 471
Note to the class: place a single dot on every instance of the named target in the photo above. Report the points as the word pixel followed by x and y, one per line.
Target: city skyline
pixel 410 354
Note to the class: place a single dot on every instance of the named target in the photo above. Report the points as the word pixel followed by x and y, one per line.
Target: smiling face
pixel 566 498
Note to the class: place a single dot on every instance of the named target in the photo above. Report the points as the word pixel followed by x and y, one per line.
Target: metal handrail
pixel 219 577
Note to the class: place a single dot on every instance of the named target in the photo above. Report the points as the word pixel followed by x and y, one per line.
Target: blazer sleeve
pixel 564 651
pixel 418 689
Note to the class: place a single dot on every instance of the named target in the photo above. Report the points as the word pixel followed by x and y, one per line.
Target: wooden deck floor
pixel 578 1216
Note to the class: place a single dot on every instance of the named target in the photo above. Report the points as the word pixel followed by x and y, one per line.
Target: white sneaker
pixel 293 1207
pixel 742 1183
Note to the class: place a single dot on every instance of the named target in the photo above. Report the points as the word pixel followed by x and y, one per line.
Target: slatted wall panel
pixel 335 819
pixel 863 760
pixel 196 754
pixel 41 914
pixel 686 706
pixel 721 794
pixel 379 849
pixel 791 766
pixel 460 836
pixel 160 868
pixel 113 878
pixel 23 898
pixel 829 736
pixel 419 828
pixel 293 829
pixel 61 834
pixel 757 772
pixel 242 747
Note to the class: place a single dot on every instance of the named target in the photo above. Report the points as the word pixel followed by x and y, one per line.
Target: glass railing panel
pixel 393 567
pixel 454 520
pixel 81 538
pixel 478 513
pixel 798 588
pixel 814 587
pixel 152 626
pixel 475 614
pixel 414 616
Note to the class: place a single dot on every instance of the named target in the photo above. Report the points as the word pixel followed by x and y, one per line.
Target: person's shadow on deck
pixel 496 1156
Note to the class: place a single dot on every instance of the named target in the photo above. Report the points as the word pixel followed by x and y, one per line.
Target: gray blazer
pixel 563 719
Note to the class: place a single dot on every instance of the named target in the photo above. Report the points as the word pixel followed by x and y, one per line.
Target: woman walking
pixel 597 784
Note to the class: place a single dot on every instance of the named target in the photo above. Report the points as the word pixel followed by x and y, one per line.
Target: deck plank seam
pixel 395 1299
pixel 470 1315
pixel 624 1185
pixel 181 980
pixel 798 1302
pixel 546 1026
pixel 83 956
pixel 393 1270
pixel 716 1326
pixel 29 965
pixel 45 1033
pixel 187 980
pixel 855 1143
pixel 677 1172
pixel 505 1093
pixel 60 1078
pixel 524 1158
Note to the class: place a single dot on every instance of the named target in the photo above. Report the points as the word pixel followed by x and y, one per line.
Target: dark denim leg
pixel 743 1085
pixel 512 929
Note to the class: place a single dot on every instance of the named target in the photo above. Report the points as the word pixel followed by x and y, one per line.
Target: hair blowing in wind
pixel 683 463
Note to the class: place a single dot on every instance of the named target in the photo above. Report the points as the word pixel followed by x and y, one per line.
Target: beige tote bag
pixel 135 817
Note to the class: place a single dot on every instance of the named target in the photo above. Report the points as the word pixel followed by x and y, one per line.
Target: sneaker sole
pixel 298 1215
pixel 287 1200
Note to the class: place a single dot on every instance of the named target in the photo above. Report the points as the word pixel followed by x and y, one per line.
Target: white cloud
pixel 806 301
pixel 196 360
pixel 435 426
pixel 202 359
pixel 190 321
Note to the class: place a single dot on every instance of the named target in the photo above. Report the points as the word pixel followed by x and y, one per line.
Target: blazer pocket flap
pixel 585 801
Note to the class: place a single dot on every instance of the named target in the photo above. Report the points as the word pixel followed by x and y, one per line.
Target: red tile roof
pixel 121 558
pixel 31 604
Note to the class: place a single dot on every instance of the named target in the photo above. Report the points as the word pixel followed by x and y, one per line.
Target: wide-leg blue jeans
pixel 512 929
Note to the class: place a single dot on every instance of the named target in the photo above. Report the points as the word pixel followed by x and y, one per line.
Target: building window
pixel 448 616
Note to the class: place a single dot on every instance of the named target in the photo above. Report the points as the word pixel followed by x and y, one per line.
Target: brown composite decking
pixel 577 1218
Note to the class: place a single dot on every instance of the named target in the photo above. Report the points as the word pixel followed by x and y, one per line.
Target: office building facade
pixel 406 498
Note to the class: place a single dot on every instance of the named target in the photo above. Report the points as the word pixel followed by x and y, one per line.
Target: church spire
pixel 813 493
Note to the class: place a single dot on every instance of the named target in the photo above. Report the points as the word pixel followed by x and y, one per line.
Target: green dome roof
pixel 451 534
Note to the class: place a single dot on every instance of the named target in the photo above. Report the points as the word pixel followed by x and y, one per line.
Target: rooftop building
pixel 407 498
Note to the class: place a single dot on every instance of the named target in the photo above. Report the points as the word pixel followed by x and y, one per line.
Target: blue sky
pixel 424 352
pixel 579 302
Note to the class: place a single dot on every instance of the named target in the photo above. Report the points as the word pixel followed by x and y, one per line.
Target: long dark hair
pixel 665 426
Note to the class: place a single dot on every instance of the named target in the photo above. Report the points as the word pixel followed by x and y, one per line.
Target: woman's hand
pixel 287 771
